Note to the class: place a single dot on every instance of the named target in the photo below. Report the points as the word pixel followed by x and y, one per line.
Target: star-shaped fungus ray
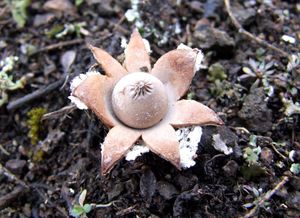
pixel 95 92
pixel 176 70
pixel 116 144
pixel 110 65
pixel 190 112
pixel 137 58
pixel 162 141
pixel 150 100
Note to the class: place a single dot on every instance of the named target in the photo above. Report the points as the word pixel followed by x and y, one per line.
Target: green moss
pixel 54 30
pixel 34 123
pixel 38 156
pixel 19 10
pixel 216 72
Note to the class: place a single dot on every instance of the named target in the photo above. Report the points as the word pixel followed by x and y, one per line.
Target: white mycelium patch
pixel 189 139
pixel 136 151
pixel 79 104
pixel 188 143
pixel 147 45
pixel 220 145
pixel 75 83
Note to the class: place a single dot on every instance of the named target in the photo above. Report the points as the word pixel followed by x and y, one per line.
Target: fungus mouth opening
pixel 139 100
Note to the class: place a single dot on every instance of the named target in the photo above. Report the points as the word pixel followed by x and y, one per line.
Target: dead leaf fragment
pixel 63 6
pixel 67 59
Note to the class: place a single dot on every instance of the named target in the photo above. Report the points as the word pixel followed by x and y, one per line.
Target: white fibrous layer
pixel 188 144
pixel 136 151
pixel 220 145
pixel 75 83
pixel 147 45
pixel 199 61
pixel 124 43
pixel 189 139
pixel 79 104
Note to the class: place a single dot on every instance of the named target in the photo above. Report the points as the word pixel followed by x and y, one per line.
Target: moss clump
pixel 34 123
pixel 38 156
pixel 216 72
pixel 6 80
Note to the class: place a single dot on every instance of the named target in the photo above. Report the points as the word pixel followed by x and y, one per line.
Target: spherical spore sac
pixel 139 100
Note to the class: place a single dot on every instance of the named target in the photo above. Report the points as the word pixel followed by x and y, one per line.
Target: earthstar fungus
pixel 138 102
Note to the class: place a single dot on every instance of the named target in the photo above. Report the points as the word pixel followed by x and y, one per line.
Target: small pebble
pixel 231 168
pixel 15 166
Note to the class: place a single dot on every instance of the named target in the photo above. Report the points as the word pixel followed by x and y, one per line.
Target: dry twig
pixel 278 152
pixel 267 197
pixel 250 35
pixel 34 95
pixel 59 112
pixel 58 45
pixel 12 196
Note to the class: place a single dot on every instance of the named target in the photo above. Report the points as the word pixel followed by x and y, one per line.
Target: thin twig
pixel 12 196
pixel 59 112
pixel 276 150
pixel 11 176
pixel 58 45
pixel 34 95
pixel 127 210
pixel 4 151
pixel 267 197
pixel 118 24
pixel 250 35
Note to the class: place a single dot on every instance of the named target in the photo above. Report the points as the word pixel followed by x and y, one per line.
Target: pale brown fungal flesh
pixel 163 142
pixel 110 65
pixel 189 112
pixel 136 55
pixel 139 100
pixel 176 70
pixel 94 92
pixel 117 142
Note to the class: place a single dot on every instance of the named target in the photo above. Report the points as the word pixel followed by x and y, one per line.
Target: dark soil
pixel 44 179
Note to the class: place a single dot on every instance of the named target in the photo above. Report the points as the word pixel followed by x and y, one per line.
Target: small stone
pixel 15 166
pixel 210 38
pixel 266 156
pixel 196 6
pixel 116 191
pixel 229 137
pixel 293 200
pixel 166 190
pixel 41 19
pixel 255 112
pixel 186 183
pixel 104 9
pixel 244 16
pixel 59 6
pixel 295 182
pixel 231 168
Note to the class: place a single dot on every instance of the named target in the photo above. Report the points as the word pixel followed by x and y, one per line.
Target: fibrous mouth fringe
pixel 140 89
